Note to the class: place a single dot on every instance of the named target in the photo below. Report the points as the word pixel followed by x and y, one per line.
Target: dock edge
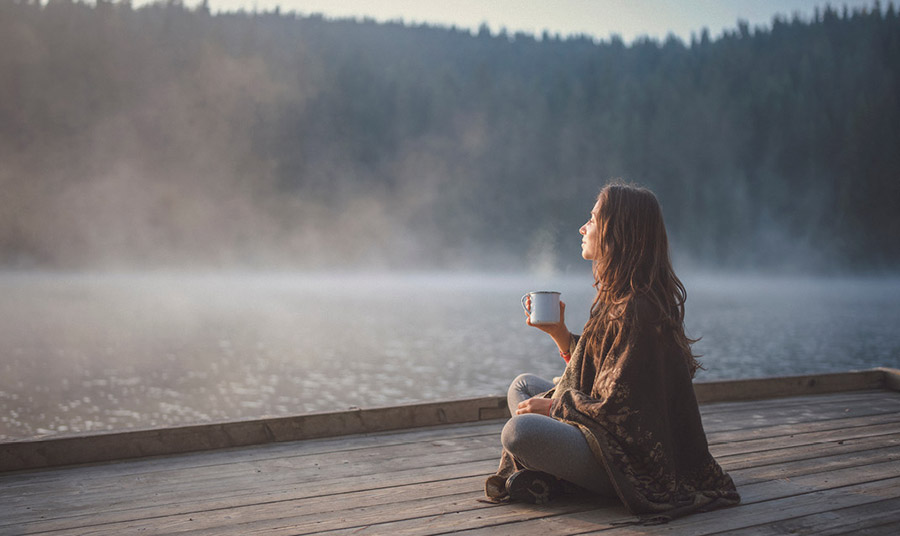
pixel 47 452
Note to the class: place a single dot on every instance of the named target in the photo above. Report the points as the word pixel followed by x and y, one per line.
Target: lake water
pixel 88 352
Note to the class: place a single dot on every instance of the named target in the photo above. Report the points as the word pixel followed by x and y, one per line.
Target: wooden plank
pixel 884 423
pixel 247 479
pixel 75 497
pixel 891 529
pixel 822 464
pixel 184 487
pixel 257 513
pixel 322 461
pixel 726 448
pixel 229 457
pixel 173 494
pixel 848 397
pixel 117 486
pixel 891 378
pixel 288 520
pixel 160 502
pixel 787 507
pixel 231 475
pixel 464 520
pixel 789 484
pixel 851 398
pixel 774 511
pixel 779 454
pixel 195 518
pixel 155 494
pixel 309 512
pixel 759 388
pixel 308 468
pixel 327 522
pixel 125 490
pixel 751 492
pixel 78 449
pixel 809 413
pixel 765 503
pixel 30 454
pixel 852 519
pixel 465 513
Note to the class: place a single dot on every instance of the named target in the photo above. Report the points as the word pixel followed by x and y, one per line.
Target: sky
pixel 598 18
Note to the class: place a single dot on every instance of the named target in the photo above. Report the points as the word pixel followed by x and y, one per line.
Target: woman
pixel 622 420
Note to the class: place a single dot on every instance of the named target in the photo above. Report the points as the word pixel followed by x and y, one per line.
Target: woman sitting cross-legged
pixel 622 421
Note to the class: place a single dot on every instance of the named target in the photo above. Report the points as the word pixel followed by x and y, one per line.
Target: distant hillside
pixel 166 136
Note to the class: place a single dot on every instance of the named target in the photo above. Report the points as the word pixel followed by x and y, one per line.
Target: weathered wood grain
pixel 812 463
pixel 849 520
pixel 80 449
pixel 257 515
pixel 283 473
pixel 77 449
pixel 765 503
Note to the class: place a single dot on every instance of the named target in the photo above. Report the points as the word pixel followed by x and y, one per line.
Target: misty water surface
pixel 89 352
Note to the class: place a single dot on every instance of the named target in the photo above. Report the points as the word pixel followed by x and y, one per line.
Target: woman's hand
pixel 557 331
pixel 535 405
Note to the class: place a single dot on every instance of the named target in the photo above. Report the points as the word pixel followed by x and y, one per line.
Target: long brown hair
pixel 632 258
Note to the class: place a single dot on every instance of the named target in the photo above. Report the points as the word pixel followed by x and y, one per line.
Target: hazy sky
pixel 598 18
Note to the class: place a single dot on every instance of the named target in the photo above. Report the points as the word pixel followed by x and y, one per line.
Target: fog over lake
pixel 189 198
pixel 111 352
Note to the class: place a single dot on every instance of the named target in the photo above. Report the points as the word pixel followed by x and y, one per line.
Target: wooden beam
pixel 891 378
pixel 77 449
pixel 805 463
pixel 759 388
pixel 93 448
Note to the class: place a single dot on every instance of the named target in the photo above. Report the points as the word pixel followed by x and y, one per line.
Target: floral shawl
pixel 636 408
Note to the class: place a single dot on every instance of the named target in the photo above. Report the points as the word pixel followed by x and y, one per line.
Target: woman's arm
pixel 535 405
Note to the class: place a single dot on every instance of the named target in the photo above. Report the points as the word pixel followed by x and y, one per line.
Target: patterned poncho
pixel 636 407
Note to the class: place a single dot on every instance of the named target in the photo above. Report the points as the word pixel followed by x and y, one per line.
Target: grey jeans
pixel 544 444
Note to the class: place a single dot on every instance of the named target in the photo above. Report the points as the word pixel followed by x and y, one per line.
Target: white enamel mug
pixel 544 306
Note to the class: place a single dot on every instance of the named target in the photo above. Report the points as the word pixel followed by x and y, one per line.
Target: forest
pixel 168 136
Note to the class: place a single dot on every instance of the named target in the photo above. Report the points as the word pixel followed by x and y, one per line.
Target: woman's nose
pixel 582 231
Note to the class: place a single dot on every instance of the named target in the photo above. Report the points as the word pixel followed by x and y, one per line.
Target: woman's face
pixel 589 234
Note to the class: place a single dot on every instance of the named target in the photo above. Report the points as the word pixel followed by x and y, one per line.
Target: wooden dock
pixel 810 455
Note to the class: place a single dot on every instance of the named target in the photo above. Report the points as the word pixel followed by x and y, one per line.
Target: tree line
pixel 171 136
